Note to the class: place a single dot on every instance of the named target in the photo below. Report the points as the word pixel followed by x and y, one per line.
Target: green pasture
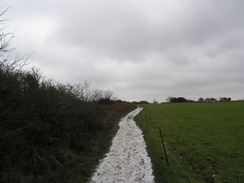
pixel 204 141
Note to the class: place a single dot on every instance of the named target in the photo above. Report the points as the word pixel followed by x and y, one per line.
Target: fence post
pixel 162 140
pixel 147 122
pixel 141 117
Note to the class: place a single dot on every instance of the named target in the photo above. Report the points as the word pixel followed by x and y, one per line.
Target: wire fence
pixel 171 160
pixel 172 157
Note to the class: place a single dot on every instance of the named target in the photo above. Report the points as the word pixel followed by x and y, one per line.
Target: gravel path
pixel 127 160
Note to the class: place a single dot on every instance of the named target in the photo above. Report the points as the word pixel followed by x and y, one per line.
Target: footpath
pixel 127 160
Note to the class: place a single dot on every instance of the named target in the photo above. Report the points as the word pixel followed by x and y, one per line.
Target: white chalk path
pixel 127 160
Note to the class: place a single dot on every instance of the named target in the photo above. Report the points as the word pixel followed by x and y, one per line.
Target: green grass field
pixel 204 141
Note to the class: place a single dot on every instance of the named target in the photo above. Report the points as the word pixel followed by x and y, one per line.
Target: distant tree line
pixel 142 102
pixel 184 100
pixel 221 99
pixel 176 99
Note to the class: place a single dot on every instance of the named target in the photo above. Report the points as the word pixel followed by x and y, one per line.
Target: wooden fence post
pixel 162 140
pixel 147 122
pixel 141 117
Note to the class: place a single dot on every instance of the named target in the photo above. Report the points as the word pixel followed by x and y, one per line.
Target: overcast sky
pixel 139 49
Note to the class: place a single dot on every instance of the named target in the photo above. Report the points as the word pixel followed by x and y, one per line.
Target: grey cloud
pixel 140 49
pixel 126 32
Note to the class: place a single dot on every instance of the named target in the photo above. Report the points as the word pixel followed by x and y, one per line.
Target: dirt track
pixel 127 160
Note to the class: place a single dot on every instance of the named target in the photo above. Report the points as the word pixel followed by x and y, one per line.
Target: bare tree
pixel 8 60
pixel 108 94
pixel 168 99
pixel 155 101
pixel 97 94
